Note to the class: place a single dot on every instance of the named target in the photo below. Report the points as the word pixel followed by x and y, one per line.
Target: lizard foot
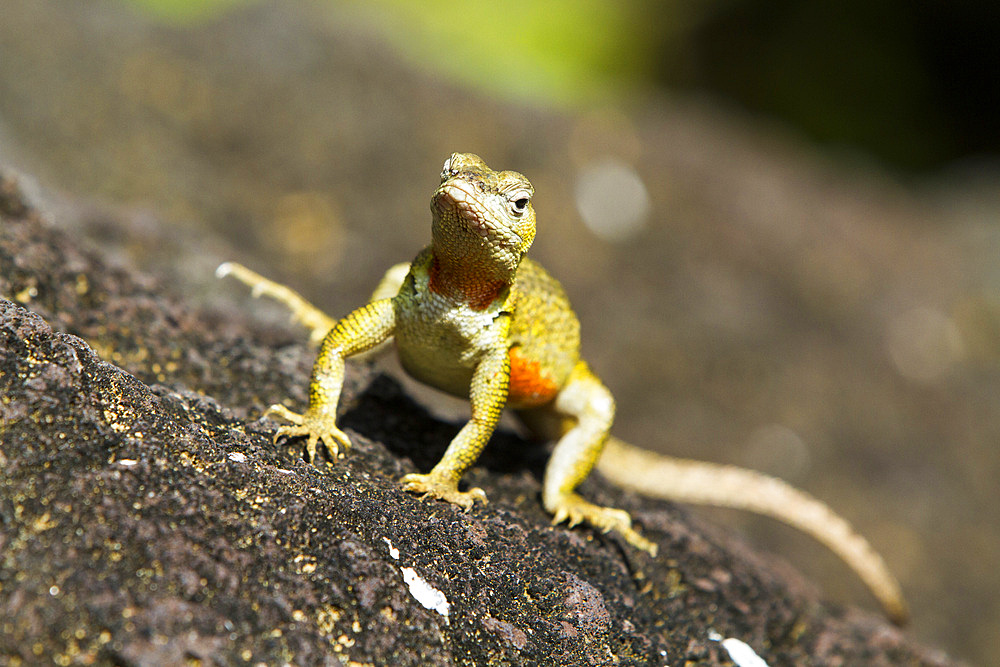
pixel 574 509
pixel 317 427
pixel 443 489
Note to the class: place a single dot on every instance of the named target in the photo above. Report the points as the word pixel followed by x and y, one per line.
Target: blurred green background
pixel 914 84
pixel 778 221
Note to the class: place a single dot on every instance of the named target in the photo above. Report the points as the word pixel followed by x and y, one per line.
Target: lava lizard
pixel 472 316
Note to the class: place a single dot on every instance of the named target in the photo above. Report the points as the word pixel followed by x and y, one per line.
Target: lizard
pixel 473 316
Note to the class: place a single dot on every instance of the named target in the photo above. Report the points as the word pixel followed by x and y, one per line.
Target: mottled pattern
pixel 546 333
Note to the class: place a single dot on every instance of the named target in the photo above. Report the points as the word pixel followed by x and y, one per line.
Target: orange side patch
pixel 529 386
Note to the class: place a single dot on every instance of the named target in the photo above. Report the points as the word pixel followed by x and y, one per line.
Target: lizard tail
pixel 702 483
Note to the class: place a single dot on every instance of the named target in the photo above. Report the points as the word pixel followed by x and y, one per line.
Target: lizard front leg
pixel 363 329
pixel 583 412
pixel 488 396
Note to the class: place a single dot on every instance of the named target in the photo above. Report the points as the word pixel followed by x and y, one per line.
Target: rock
pixel 146 517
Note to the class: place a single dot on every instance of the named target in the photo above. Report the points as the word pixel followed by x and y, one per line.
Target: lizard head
pixel 482 217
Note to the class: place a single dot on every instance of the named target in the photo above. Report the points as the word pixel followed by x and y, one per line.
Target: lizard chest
pixel 440 342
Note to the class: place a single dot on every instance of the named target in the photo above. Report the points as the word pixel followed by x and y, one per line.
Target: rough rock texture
pixel 146 518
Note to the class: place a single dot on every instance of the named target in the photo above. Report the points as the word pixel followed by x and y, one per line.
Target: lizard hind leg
pixel 318 322
pixel 580 417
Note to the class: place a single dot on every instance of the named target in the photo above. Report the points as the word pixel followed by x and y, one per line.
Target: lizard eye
pixel 519 205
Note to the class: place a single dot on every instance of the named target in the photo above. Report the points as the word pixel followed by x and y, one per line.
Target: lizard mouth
pixel 455 199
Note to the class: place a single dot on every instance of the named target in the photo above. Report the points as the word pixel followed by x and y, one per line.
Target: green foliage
pixel 549 51
pixel 562 51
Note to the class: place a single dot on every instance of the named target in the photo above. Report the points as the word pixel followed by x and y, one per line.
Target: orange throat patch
pixel 479 295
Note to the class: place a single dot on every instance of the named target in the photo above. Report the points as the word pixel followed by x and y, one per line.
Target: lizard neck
pixel 475 284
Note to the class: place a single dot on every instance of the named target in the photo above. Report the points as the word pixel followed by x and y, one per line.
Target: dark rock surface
pixel 146 518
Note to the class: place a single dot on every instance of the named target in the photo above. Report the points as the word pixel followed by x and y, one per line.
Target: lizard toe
pixel 316 426
pixel 574 509
pixel 442 489
pixel 279 410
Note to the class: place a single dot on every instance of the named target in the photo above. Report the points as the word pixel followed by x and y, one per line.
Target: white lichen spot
pixel 238 457
pixel 739 652
pixel 128 463
pixel 393 551
pixel 430 597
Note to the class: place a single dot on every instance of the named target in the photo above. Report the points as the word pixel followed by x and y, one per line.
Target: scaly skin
pixel 472 316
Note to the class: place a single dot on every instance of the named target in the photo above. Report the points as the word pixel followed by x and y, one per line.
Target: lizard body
pixel 473 317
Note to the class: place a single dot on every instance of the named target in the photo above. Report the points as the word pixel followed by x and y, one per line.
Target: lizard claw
pixel 430 485
pixel 317 427
pixel 574 509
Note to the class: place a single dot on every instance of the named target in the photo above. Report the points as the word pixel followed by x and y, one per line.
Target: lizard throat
pixel 477 293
